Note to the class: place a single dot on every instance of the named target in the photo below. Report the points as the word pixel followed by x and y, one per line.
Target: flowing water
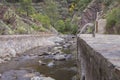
pixel 60 70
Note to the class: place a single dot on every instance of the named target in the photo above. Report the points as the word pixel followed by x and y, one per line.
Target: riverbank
pixel 50 61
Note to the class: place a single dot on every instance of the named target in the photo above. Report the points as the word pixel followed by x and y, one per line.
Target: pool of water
pixel 61 70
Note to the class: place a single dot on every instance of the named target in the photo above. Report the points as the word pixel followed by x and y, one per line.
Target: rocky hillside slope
pixel 108 10
pixel 12 23
pixel 89 14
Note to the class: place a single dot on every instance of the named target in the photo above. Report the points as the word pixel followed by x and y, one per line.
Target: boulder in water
pixel 59 57
pixel 41 78
pixel 51 64
pixel 41 62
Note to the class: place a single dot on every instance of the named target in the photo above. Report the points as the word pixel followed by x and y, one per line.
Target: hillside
pixel 108 10
pixel 42 15
pixel 65 16
pixel 13 22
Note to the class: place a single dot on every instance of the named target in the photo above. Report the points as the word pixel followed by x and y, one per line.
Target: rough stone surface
pixel 99 57
pixel 101 26
pixel 12 45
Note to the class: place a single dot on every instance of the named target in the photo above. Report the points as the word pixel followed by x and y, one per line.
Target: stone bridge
pixel 99 57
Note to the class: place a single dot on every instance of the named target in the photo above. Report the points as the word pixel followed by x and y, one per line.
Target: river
pixel 47 64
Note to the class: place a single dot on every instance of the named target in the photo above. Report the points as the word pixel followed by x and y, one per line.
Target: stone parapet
pixel 99 57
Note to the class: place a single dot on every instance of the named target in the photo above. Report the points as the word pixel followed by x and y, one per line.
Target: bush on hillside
pixel 44 19
pixel 107 2
pixel 38 28
pixel 60 26
pixel 26 6
pixel 83 3
pixel 113 21
pixel 66 27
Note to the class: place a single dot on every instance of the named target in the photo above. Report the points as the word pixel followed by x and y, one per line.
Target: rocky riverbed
pixel 55 63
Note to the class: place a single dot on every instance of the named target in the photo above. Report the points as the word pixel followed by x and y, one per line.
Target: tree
pixel 26 5
pixel 12 1
pixel 51 10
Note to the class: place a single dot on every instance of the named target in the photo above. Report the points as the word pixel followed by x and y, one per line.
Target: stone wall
pixel 11 45
pixel 101 26
pixel 99 57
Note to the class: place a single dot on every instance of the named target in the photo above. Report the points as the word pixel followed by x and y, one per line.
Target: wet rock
pixel 49 56
pixel 57 48
pixel 27 57
pixel 74 69
pixel 17 75
pixel 69 56
pixel 7 59
pixel 75 77
pixel 57 52
pixel 36 78
pixel 51 64
pixel 0 75
pixel 58 44
pixel 1 60
pixel 41 78
pixel 59 57
pixel 32 54
pixel 46 53
pixel 66 45
pixel 56 39
pixel 41 62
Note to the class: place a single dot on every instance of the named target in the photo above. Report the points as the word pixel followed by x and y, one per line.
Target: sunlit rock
pixel 41 78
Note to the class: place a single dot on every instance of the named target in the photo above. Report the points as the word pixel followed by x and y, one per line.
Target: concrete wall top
pixel 107 45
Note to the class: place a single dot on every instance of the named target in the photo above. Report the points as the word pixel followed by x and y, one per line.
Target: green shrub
pixel 44 19
pixel 26 6
pixel 66 27
pixel 21 30
pixel 60 26
pixel 83 3
pixel 107 2
pixel 38 28
pixel 113 19
pixel 70 27
pixel 74 29
pixel 20 11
